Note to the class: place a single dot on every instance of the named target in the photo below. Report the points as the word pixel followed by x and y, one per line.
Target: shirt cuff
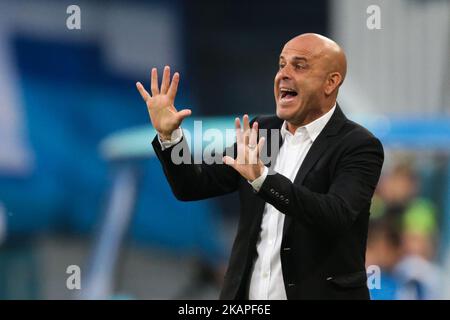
pixel 258 182
pixel 176 137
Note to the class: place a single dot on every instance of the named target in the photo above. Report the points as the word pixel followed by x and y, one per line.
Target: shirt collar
pixel 313 128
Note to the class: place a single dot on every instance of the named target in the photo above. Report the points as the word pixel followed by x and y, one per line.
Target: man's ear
pixel 334 80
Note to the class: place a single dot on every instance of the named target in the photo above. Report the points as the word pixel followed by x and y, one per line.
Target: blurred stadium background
pixel 79 184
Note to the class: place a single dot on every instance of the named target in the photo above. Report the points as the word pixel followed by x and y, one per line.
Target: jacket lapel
pixel 259 203
pixel 318 147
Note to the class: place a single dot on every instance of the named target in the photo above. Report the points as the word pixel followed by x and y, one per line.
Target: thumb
pixel 182 114
pixel 229 161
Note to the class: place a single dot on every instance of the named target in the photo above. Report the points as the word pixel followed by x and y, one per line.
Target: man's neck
pixel 310 117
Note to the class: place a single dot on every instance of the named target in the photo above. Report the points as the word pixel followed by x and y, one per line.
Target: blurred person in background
pixel 384 250
pixel 402 238
pixel 414 214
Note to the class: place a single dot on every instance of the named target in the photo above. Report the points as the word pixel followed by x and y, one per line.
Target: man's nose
pixel 285 73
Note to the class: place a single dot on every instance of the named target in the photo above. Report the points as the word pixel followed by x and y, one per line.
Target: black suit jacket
pixel 326 207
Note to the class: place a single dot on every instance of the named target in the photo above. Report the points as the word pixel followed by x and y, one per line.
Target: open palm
pixel 160 105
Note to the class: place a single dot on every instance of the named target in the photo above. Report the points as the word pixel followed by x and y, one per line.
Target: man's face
pixel 298 85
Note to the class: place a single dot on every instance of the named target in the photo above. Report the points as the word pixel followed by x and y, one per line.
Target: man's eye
pixel 300 66
pixel 281 66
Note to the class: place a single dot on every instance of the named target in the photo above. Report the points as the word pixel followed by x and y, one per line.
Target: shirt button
pixel 270 242
pixel 265 274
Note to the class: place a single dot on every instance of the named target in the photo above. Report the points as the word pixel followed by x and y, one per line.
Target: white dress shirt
pixel 266 282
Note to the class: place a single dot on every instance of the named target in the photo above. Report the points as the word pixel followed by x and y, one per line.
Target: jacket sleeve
pixel 190 181
pixel 350 191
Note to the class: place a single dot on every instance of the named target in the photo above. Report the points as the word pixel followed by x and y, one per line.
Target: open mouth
pixel 287 93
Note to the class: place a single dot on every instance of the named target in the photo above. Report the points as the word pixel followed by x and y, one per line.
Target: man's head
pixel 311 69
pixel 384 243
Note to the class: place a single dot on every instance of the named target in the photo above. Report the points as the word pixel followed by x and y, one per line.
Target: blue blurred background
pixel 73 191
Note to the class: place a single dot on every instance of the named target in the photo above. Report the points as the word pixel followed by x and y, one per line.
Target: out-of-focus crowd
pixel 403 239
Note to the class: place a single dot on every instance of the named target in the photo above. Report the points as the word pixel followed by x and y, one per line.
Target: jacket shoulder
pixel 357 134
pixel 356 128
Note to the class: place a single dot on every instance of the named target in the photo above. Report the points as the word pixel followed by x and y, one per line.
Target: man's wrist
pixel 167 142
pixel 164 137
pixel 260 173
pixel 257 183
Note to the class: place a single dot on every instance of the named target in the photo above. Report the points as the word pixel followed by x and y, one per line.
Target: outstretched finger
pixel 253 135
pixel 237 124
pixel 246 122
pixel 252 144
pixel 154 82
pixel 261 142
pixel 174 86
pixel 165 80
pixel 254 157
pixel 142 91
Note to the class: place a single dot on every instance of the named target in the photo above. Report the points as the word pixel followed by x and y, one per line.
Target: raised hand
pixel 160 105
pixel 247 162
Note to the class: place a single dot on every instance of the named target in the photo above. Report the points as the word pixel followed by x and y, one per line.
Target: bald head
pixel 322 48
pixel 311 70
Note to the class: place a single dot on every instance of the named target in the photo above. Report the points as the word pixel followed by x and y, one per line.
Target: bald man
pixel 304 216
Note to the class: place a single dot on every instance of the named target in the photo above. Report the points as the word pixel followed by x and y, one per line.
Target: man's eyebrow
pixel 296 58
